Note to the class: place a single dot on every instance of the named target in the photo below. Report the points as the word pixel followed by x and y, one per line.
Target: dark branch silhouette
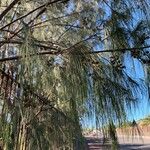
pixel 63 52
pixel 8 9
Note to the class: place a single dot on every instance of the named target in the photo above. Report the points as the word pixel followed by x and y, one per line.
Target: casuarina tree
pixel 63 62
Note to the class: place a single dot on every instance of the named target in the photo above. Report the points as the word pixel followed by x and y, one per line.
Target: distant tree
pixel 145 121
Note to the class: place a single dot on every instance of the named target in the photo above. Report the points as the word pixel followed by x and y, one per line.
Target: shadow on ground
pixel 97 144
pixel 134 147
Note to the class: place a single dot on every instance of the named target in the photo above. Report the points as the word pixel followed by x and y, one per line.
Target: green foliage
pixel 51 77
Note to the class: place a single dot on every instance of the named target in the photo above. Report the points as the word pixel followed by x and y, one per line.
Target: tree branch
pixel 41 99
pixel 8 9
pixel 44 5
pixel 40 53
pixel 92 52
pixel 120 50
pixel 36 44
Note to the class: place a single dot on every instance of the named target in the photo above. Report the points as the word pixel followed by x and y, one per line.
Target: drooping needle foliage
pixel 63 62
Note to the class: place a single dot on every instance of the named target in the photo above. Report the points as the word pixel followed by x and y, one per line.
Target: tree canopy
pixel 63 62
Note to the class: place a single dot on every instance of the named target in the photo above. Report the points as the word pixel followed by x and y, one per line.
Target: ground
pixel 125 143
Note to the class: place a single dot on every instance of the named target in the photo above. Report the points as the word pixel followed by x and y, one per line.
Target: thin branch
pixel 8 9
pixel 40 13
pixel 63 34
pixel 73 26
pixel 44 5
pixel 10 42
pixel 41 99
pixel 84 40
pixel 40 53
pixel 12 32
pixel 120 50
pixel 36 44
pixel 40 110
pixel 62 52
pixel 54 18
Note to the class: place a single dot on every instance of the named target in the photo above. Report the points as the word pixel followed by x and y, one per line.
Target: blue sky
pixel 135 70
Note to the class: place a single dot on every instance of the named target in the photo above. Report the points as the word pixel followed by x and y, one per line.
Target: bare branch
pixel 44 5
pixel 90 52
pixel 40 53
pixel 8 9
pixel 121 49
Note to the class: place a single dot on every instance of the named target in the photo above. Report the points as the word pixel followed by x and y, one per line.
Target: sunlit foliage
pixel 62 62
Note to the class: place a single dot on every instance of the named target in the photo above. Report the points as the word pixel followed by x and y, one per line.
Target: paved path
pixel 126 143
